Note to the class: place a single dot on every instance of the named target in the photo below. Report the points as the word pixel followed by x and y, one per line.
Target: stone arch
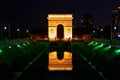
pixel 54 20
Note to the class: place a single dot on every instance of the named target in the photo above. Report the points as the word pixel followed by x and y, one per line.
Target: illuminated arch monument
pixel 59 26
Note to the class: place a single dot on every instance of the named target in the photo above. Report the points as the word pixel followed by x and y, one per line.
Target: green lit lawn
pixel 104 57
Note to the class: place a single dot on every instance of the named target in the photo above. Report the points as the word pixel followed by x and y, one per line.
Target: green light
pixel 107 48
pixel 99 46
pixel 101 73
pixel 1 51
pixel 94 67
pixel 18 46
pixel 89 63
pixel 117 51
pixel 95 44
pixel 24 44
pixel 30 63
pixel 90 43
pixel 10 47
pixel 28 43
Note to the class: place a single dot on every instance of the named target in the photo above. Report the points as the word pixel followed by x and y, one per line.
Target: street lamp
pixel 18 29
pixel 5 27
pixel 101 29
pixel 27 30
pixel 115 28
pixel 93 31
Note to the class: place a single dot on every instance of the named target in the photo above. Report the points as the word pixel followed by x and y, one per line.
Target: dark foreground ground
pixel 31 63
pixel 39 71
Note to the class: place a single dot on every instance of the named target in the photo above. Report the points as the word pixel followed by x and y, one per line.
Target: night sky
pixel 33 13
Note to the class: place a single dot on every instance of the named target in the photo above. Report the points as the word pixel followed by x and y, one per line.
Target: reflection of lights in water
pixel 61 16
pixel 62 68
pixel 56 64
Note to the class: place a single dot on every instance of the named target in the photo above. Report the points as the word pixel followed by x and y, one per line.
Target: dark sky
pixel 34 12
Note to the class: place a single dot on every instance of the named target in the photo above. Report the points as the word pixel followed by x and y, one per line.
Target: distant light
pixel 94 31
pixel 119 35
pixel 101 29
pixel 27 30
pixel 18 29
pixel 119 7
pixel 81 21
pixel 5 28
pixel 115 28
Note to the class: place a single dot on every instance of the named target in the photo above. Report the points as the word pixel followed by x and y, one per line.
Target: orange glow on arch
pixel 56 19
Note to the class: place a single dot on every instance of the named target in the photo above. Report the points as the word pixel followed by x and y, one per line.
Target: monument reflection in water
pixel 55 64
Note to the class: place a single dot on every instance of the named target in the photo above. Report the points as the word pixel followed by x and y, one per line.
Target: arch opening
pixel 60 31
